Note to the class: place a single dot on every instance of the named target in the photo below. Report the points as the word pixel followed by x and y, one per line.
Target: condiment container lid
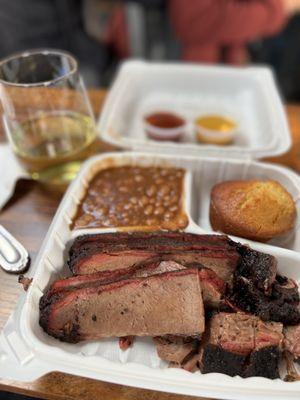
pixel 248 95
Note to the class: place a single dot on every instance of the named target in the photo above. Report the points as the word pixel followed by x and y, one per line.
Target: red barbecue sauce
pixel 167 121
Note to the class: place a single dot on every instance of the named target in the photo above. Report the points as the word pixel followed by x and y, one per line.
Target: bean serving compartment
pixel 132 196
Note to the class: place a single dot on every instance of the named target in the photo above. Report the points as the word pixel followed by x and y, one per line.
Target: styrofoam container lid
pixel 248 95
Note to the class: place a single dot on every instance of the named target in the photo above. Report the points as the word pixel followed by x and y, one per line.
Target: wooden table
pixel 28 215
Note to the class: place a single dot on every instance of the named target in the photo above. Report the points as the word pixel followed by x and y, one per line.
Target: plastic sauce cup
pixel 215 129
pixel 164 126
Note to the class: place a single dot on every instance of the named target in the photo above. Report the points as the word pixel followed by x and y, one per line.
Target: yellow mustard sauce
pixel 216 123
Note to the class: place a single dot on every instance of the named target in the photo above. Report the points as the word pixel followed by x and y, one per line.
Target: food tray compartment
pixel 118 160
pixel 248 95
pixel 23 344
pixel 209 171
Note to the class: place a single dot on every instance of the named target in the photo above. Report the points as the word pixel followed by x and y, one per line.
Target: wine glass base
pixel 59 175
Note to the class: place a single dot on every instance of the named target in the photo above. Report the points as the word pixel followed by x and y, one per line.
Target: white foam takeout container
pixel 26 352
pixel 247 95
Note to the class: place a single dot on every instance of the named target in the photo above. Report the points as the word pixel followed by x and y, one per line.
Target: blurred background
pixel 102 33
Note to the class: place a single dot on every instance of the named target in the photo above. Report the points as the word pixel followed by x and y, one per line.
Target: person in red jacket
pixel 215 30
pixel 219 30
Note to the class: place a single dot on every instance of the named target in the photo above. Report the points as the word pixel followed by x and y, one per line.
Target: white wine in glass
pixel 47 114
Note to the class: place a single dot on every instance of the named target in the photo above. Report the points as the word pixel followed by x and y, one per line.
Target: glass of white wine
pixel 46 113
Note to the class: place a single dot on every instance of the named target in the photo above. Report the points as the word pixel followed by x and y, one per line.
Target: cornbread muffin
pixel 253 209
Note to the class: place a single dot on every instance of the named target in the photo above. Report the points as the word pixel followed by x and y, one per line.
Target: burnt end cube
pixel 216 359
pixel 259 267
pixel 264 362
pixel 241 344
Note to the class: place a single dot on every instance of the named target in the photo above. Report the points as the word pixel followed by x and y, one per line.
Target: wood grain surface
pixel 28 215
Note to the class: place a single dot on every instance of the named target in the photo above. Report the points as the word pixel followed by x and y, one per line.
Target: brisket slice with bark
pixel 213 288
pixel 247 297
pixel 105 277
pixel 92 261
pixel 108 252
pixel 159 241
pixel 222 265
pixel 169 303
pixel 241 344
pixel 93 253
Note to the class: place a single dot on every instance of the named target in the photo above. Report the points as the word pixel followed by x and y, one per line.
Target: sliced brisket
pixel 91 261
pixel 105 277
pixel 159 241
pixel 155 284
pixel 237 344
pixel 92 253
pixel 213 288
pixel 169 303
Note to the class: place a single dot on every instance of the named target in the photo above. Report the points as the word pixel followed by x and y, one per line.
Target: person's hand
pixel 291 6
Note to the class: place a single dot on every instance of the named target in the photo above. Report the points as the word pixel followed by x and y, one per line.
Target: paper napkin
pixel 10 172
